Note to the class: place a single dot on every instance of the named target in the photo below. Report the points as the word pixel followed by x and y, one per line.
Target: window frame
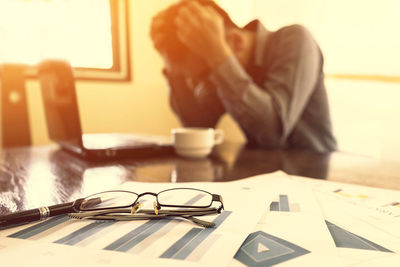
pixel 121 69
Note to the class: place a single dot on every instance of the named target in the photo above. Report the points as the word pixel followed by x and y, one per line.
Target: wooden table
pixel 40 176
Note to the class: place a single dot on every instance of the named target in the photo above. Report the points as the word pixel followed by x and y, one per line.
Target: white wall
pixel 365 116
pixel 357 36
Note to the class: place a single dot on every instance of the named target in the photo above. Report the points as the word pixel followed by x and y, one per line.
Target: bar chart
pixel 283 205
pixel 140 237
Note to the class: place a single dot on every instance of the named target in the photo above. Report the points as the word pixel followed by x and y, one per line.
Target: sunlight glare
pixel 78 31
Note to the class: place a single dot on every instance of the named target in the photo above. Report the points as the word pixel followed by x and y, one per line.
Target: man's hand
pixel 202 30
pixel 157 33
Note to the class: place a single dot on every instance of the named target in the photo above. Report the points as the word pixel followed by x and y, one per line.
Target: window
pixel 90 34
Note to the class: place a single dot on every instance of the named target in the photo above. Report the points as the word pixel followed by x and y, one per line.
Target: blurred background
pixel 359 39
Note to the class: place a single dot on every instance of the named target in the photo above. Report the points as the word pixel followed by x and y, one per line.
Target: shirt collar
pixel 261 39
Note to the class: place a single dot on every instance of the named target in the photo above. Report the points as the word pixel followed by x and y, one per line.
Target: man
pixel 271 83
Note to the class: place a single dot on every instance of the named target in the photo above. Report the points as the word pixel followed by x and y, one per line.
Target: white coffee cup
pixel 193 142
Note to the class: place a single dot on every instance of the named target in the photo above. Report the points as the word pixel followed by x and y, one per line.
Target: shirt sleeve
pixel 267 113
pixel 195 104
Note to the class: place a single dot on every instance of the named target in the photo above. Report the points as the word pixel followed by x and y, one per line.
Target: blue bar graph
pixel 142 232
pixel 283 205
pixel 39 228
pixel 134 237
pixel 181 249
pixel 84 232
pixel 124 239
pixel 175 248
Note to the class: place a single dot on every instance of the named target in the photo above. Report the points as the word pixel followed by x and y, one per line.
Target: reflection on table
pixel 40 176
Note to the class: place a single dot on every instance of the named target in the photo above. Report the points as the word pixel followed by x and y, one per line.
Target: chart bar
pixel 283 203
pixel 132 234
pixel 39 228
pixel 193 239
pixel 274 206
pixel 84 232
pixel 136 240
pixel 175 248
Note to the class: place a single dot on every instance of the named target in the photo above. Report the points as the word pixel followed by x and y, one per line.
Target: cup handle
pixel 218 136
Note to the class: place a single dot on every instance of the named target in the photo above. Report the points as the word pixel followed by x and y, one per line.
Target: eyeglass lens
pixel 184 197
pixel 111 199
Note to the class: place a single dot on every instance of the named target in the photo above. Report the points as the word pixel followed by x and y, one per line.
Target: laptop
pixel 63 123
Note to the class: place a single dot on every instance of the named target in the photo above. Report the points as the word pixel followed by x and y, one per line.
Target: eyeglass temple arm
pixel 86 204
pixel 219 199
pixel 185 212
pixel 104 215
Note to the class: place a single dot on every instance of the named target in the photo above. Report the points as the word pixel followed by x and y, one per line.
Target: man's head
pixel 172 46
pixel 199 22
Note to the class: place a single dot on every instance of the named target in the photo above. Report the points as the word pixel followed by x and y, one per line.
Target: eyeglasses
pixel 174 198
pixel 124 205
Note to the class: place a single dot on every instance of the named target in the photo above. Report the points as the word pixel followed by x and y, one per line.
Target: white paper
pixel 307 207
pixel 369 217
pixel 299 221
pixel 22 252
pixel 162 241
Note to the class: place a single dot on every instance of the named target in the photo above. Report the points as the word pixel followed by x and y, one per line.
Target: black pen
pixel 27 216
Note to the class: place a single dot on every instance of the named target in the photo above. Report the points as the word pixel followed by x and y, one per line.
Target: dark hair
pixel 173 47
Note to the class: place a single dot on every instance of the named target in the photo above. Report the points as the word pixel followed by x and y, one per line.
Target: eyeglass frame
pixel 42 213
pixel 214 197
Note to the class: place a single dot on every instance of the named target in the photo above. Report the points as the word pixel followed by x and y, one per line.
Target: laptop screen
pixel 60 103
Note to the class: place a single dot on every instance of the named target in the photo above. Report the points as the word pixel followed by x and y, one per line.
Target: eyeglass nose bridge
pixel 149 193
pixel 157 205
